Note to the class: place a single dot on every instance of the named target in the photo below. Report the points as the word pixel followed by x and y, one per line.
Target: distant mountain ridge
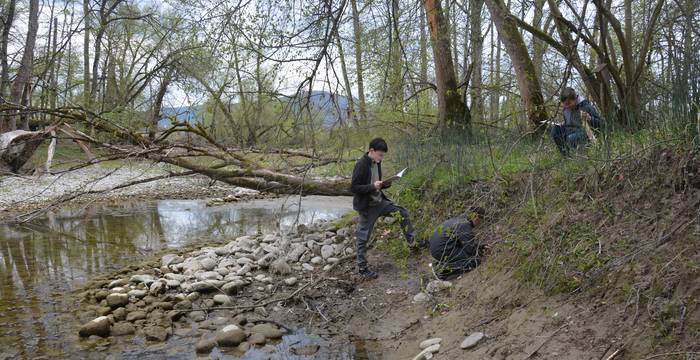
pixel 331 109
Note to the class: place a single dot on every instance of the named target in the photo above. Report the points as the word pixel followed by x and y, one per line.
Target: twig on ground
pixel 533 352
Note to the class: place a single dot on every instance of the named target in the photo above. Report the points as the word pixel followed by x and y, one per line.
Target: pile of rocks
pixel 428 348
pixel 153 301
pixel 241 195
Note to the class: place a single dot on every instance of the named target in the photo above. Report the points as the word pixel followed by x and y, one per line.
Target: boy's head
pixel 476 214
pixel 568 97
pixel 377 149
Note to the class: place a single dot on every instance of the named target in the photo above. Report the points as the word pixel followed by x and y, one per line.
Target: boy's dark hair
pixel 378 144
pixel 567 93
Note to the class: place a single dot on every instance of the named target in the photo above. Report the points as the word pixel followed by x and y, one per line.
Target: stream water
pixel 42 261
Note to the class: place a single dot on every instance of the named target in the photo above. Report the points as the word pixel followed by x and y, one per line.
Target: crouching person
pixel 454 247
pixel 571 133
pixel 370 202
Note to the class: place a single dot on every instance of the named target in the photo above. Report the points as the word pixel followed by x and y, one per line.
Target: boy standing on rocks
pixel 371 203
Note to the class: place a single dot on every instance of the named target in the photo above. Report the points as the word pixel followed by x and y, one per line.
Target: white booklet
pixel 399 175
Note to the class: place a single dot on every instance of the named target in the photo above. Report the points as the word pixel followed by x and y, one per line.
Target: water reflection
pixel 42 260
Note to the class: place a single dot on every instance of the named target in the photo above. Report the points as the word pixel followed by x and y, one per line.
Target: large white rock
pixel 171 259
pixel 208 264
pixel 429 342
pixel 437 285
pixel 471 340
pixel 427 352
pixel 327 251
pixel 142 278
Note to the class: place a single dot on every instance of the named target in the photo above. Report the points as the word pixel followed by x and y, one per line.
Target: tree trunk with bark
pixel 529 85
pixel 20 88
pixel 452 111
pixel 477 41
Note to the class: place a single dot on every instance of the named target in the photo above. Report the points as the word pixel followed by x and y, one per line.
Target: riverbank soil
pixel 608 268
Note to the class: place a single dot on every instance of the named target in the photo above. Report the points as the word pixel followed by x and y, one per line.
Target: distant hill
pixel 181 113
pixel 331 109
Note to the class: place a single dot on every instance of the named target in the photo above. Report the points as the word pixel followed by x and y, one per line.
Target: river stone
pixel 116 300
pixel 101 295
pixel 197 315
pixel 420 297
pixel 135 315
pixel 230 335
pixel 427 353
pixel 208 275
pixel 222 299
pixel 98 326
pixel 280 266
pixel 243 347
pixel 225 263
pixel 296 252
pixel 173 276
pixel 438 285
pixel 171 259
pixel 117 283
pixel 205 344
pixel 305 350
pixel 332 260
pixel 233 286
pixel 123 328
pixel 155 333
pixel 119 314
pixel 193 296
pixel 317 260
pixel 290 281
pixel 244 270
pixel 429 342
pixel 257 339
pixel 142 278
pixel 307 267
pixel 137 293
pixel 202 286
pixel 157 287
pixel 172 283
pixel 183 305
pixel 165 305
pixel 471 340
pixel 246 243
pixel 313 237
pixel 208 264
pixel 268 330
pixel 243 261
pixel 266 260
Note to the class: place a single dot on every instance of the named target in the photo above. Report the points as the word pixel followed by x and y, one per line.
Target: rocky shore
pixel 223 295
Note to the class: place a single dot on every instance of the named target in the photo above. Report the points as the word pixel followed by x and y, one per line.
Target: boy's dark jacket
pixel 362 186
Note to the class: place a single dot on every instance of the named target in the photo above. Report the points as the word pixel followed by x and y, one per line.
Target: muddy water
pixel 42 261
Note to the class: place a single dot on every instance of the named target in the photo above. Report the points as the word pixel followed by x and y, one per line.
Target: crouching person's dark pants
pixel 367 220
pixel 567 137
pixel 456 258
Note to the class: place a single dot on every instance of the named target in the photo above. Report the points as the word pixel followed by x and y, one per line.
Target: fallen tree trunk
pixel 230 167
pixel 16 147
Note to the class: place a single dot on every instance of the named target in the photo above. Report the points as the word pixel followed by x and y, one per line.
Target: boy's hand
pixel 378 185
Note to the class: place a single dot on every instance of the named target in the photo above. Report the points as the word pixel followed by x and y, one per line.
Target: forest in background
pixel 204 84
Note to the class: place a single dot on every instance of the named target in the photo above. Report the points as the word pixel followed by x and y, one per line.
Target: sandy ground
pixel 22 194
